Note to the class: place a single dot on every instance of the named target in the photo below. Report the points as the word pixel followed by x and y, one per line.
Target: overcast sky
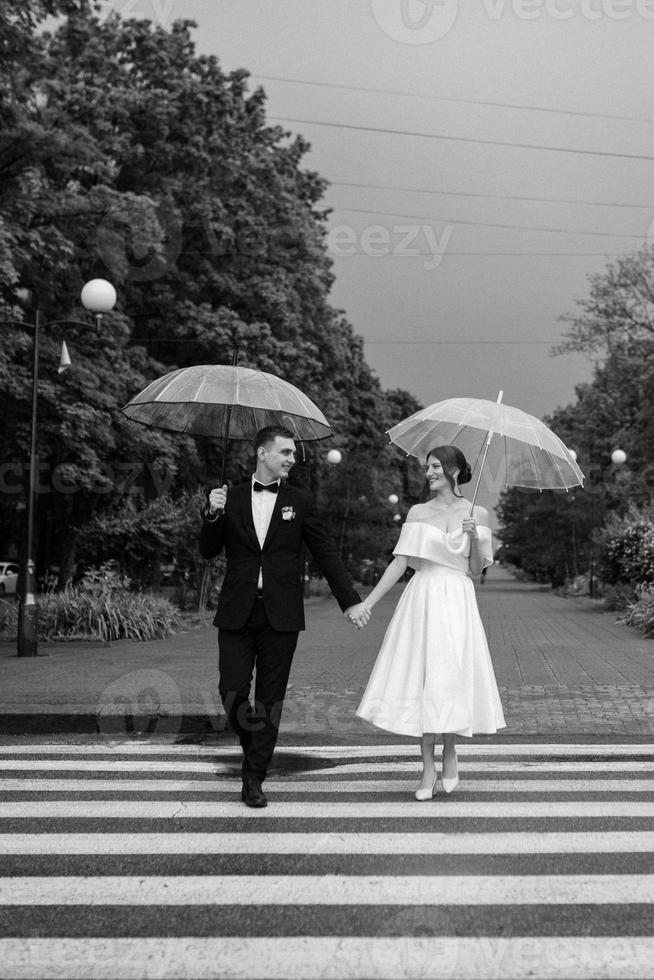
pixel 442 267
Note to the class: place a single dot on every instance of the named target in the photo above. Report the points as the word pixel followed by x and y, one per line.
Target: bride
pixel 433 674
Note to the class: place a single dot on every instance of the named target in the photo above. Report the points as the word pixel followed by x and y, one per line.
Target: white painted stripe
pixel 328 890
pixel 218 768
pixel 330 958
pixel 608 842
pixel 341 751
pixel 491 765
pixel 113 765
pixel 299 786
pixel 409 809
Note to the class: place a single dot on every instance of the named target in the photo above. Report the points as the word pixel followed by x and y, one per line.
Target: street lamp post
pixel 98 297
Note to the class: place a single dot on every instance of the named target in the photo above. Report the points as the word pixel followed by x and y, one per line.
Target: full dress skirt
pixel 434 672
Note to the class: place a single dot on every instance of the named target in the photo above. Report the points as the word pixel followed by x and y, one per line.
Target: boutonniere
pixel 288 514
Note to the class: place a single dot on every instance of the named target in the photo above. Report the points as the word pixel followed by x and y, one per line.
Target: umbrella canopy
pixel 517 449
pixel 225 401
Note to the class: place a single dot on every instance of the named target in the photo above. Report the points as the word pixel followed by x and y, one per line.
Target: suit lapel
pixel 275 519
pixel 245 505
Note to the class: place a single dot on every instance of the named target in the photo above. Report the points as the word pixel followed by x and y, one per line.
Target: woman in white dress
pixel 433 674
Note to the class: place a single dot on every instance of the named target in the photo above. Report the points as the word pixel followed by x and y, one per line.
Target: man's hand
pixel 359 615
pixel 217 499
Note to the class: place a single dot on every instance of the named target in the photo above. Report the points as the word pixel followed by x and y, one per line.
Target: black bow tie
pixel 272 487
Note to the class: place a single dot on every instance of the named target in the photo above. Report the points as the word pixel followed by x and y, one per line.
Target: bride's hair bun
pixel 465 474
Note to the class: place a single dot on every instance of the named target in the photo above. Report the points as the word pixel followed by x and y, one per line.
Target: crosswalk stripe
pixel 110 765
pixel 147 765
pixel 164 809
pixel 340 751
pixel 330 843
pixel 606 842
pixel 278 890
pixel 296 786
pixel 492 765
pixel 574 957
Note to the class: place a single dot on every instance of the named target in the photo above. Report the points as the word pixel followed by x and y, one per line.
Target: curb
pixel 89 723
pixel 203 725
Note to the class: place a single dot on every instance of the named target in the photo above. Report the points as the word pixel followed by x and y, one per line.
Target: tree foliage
pixel 126 155
pixel 558 535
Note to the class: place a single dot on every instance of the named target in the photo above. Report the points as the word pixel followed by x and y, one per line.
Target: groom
pixel 262 525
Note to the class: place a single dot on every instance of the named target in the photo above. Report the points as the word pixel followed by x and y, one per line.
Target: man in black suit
pixel 263 525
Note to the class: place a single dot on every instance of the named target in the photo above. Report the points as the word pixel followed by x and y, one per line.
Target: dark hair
pixel 265 436
pixel 452 459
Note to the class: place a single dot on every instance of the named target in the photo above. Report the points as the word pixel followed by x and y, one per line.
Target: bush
pixel 627 548
pixel 99 607
pixel 74 614
pixel 640 614
pixel 105 580
pixel 8 620
pixel 619 596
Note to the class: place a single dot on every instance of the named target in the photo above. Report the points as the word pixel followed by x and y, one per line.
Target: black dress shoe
pixel 252 794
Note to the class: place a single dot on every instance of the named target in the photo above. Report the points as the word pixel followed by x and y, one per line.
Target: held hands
pixel 358 615
pixel 217 499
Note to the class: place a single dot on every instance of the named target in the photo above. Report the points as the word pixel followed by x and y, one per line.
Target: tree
pixel 548 535
pixel 615 409
pixel 128 156
pixel 618 315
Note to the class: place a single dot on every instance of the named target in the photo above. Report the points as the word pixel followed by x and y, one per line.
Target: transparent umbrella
pixel 520 449
pixel 226 401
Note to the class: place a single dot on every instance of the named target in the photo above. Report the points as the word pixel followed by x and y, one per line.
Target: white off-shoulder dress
pixel 434 672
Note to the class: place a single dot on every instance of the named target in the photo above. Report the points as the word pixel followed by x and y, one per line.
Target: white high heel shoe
pixel 427 794
pixel 450 783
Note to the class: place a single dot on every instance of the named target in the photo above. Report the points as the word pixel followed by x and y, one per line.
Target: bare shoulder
pixel 415 513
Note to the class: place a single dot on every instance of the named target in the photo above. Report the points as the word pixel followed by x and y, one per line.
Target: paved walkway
pixel 563 666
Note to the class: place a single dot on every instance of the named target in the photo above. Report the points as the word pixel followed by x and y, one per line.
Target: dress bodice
pixel 426 545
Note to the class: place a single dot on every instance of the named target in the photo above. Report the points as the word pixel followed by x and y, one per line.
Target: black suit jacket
pixel 281 558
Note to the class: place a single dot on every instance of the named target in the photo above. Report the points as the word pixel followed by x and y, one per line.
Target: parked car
pixel 8 578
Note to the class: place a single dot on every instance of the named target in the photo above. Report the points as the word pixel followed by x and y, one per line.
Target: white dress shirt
pixel 263 504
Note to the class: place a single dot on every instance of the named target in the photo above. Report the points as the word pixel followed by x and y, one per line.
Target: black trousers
pixel 239 652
